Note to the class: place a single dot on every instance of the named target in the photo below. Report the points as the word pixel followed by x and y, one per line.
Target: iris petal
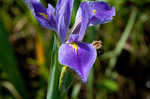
pixel 80 59
pixel 100 12
pixel 63 14
pixel 81 23
pixel 89 14
pixel 44 16
pixel 51 17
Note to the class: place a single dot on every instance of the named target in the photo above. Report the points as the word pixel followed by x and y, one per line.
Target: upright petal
pixel 51 17
pixel 90 13
pixel 63 14
pixel 78 56
pixel 100 12
pixel 81 23
pixel 44 16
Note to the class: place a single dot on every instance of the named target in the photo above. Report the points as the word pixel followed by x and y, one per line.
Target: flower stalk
pixel 121 43
pixel 52 92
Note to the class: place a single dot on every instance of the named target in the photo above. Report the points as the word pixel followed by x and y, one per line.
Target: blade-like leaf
pixel 9 64
pixel 65 80
pixel 52 92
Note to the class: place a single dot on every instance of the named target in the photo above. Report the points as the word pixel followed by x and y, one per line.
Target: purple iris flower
pixel 73 53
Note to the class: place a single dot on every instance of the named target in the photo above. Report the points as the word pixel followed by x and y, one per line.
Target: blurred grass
pixel 9 63
pixel 121 43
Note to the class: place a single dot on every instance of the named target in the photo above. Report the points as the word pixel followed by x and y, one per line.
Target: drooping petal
pixel 81 22
pixel 63 14
pixel 44 16
pixel 78 56
pixel 100 12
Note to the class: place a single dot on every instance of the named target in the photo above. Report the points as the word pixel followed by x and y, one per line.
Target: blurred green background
pixel 122 68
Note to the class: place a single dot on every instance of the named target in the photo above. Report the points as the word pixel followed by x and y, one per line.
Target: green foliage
pixel 53 92
pixel 65 80
pixel 9 63
pixel 109 85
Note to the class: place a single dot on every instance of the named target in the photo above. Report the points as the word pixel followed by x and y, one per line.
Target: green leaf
pixel 65 80
pixel 76 91
pixel 9 64
pixel 53 92
pixel 109 85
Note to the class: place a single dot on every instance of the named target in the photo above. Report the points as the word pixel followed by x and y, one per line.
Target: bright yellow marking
pixel 75 46
pixel 44 15
pixel 94 11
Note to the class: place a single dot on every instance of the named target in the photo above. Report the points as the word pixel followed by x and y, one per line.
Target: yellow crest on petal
pixel 44 15
pixel 75 46
pixel 94 11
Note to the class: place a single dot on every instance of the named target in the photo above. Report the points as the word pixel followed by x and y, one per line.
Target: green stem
pixel 121 42
pixel 53 92
pixel 126 33
pixel 90 84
